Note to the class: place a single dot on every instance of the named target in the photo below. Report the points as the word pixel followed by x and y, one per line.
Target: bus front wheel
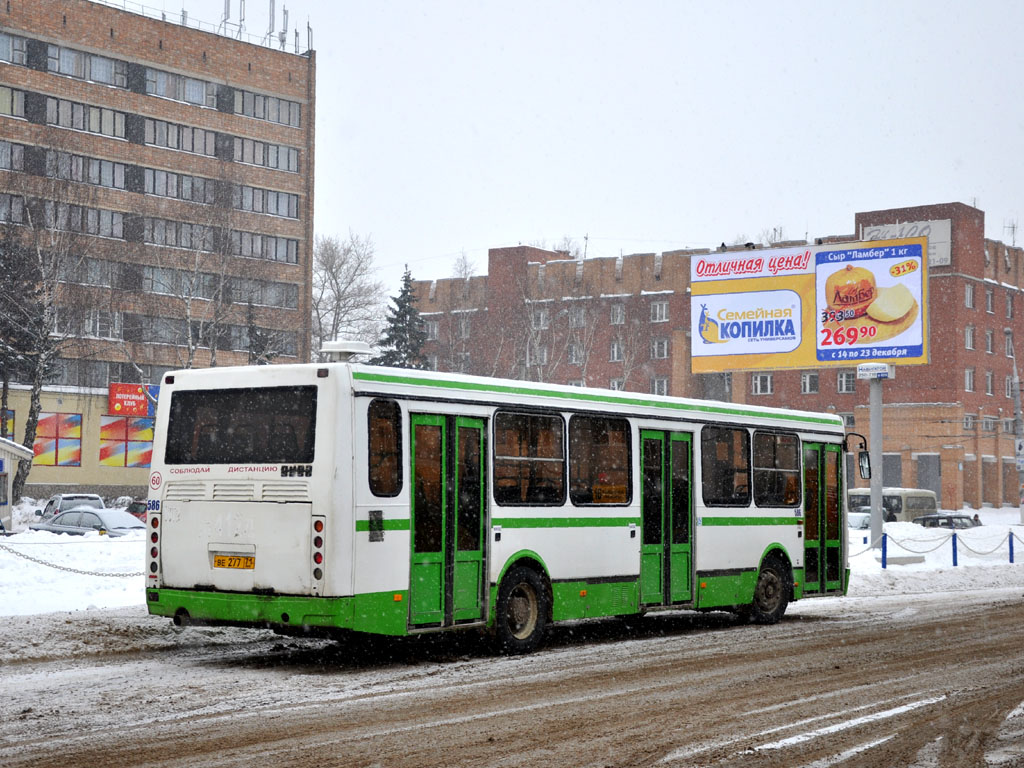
pixel 522 611
pixel 771 594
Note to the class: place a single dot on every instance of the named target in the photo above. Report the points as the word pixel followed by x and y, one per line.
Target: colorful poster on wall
pixel 132 399
pixel 58 440
pixel 8 416
pixel 126 441
pixel 810 307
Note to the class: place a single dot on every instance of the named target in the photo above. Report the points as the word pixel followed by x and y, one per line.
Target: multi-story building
pixel 171 169
pixel 624 323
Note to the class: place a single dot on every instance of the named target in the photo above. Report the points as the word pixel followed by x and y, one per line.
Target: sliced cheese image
pixel 892 303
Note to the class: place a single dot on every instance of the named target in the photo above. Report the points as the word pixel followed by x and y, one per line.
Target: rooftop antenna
pixel 184 17
pixel 296 39
pixel 1012 226
pixel 282 36
pixel 309 36
pixel 222 27
pixel 241 18
pixel 270 25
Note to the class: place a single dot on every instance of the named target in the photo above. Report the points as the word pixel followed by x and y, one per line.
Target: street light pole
pixel 1018 428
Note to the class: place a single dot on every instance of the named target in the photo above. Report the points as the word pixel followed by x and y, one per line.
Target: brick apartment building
pixel 624 323
pixel 181 162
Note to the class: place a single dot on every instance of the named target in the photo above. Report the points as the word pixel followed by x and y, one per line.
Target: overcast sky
pixel 451 127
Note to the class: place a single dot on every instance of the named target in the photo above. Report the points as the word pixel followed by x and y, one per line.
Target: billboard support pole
pixel 1018 429
pixel 875 450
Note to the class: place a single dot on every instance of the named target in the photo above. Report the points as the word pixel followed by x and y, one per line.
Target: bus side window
pixel 599 448
pixel 725 466
pixel 384 433
pixel 529 459
pixel 776 470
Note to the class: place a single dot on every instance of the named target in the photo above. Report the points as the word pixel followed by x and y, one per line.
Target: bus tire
pixel 771 593
pixel 522 611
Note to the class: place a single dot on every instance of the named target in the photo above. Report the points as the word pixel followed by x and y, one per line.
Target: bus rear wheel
pixel 522 611
pixel 771 594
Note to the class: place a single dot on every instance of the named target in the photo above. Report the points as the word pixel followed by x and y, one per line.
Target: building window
pixel 577 317
pixel 990 301
pixel 12 156
pixel 536 354
pixel 846 382
pixel 575 353
pixel 12 102
pixel 12 208
pixel 1009 427
pixel 159 133
pixel 989 341
pixel 85 66
pixel 659 312
pixel 1009 345
pixel 431 328
pixel 265 201
pixel 266 247
pixel 618 314
pixel 659 349
pixel 82 117
pixel 88 170
pixel 431 362
pixel 575 382
pixel 969 295
pixel 659 385
pixel 12 48
pixel 617 384
pixel 988 424
pixel 848 420
pixel 194 189
pixel 180 234
pixel 464 326
pixel 760 383
pixel 989 383
pixel 616 352
pixel 1009 306
pixel 278 156
pixel 539 318
pixel 968 379
pixel 809 383
pixel 969 421
pixel 269 108
pixel 968 337
pixel 180 88
pixel 727 383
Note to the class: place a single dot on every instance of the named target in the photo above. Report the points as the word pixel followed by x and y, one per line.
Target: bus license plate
pixel 234 561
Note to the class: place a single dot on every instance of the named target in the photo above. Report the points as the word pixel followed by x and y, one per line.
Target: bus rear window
pixel 270 425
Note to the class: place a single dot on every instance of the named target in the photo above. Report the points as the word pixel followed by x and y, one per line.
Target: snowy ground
pixel 42 572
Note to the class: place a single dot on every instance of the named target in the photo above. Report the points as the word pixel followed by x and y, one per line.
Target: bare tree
pixel 347 300
pixel 50 225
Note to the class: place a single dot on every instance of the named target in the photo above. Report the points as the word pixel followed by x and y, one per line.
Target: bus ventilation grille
pixel 233 491
pixel 184 491
pixel 285 491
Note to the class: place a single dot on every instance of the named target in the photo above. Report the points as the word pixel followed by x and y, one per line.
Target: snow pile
pixel 920 561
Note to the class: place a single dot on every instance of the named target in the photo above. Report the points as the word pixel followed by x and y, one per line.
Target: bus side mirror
pixel 864 462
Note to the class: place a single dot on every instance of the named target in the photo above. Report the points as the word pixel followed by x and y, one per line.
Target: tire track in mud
pixel 690 692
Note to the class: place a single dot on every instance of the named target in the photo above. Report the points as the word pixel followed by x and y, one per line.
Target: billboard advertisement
pixel 132 399
pixel 810 306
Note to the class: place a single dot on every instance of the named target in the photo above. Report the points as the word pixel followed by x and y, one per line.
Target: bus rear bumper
pixel 381 613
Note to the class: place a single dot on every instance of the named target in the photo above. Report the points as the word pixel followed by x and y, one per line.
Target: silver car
pixel 113 522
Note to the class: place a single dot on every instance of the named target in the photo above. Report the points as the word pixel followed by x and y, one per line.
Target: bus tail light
pixel 154 550
pixel 317 549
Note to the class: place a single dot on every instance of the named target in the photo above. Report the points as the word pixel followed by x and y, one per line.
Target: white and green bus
pixel 327 498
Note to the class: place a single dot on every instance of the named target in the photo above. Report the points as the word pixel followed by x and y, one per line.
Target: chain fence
pixel 886 539
pixel 40 561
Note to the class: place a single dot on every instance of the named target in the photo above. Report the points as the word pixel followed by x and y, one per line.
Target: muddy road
pixel 927 680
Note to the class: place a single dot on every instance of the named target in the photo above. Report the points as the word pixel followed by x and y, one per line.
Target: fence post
pixel 954 550
pixel 1011 546
pixel 885 541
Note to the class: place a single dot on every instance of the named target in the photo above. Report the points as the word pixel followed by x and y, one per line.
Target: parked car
pixel 859 520
pixel 61 502
pixel 947 521
pixel 138 509
pixel 113 522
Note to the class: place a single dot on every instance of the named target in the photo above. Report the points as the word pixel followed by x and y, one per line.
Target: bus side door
pixel 823 562
pixel 667 518
pixel 446 570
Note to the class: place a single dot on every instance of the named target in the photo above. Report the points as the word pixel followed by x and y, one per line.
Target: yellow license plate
pixel 234 561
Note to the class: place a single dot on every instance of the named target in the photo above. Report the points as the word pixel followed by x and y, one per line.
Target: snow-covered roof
pixel 17 449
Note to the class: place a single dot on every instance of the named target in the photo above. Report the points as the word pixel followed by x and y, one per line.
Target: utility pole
pixel 876 373
pixel 1018 428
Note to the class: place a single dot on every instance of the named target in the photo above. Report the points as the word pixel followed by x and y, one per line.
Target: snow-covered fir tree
pixel 404 334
